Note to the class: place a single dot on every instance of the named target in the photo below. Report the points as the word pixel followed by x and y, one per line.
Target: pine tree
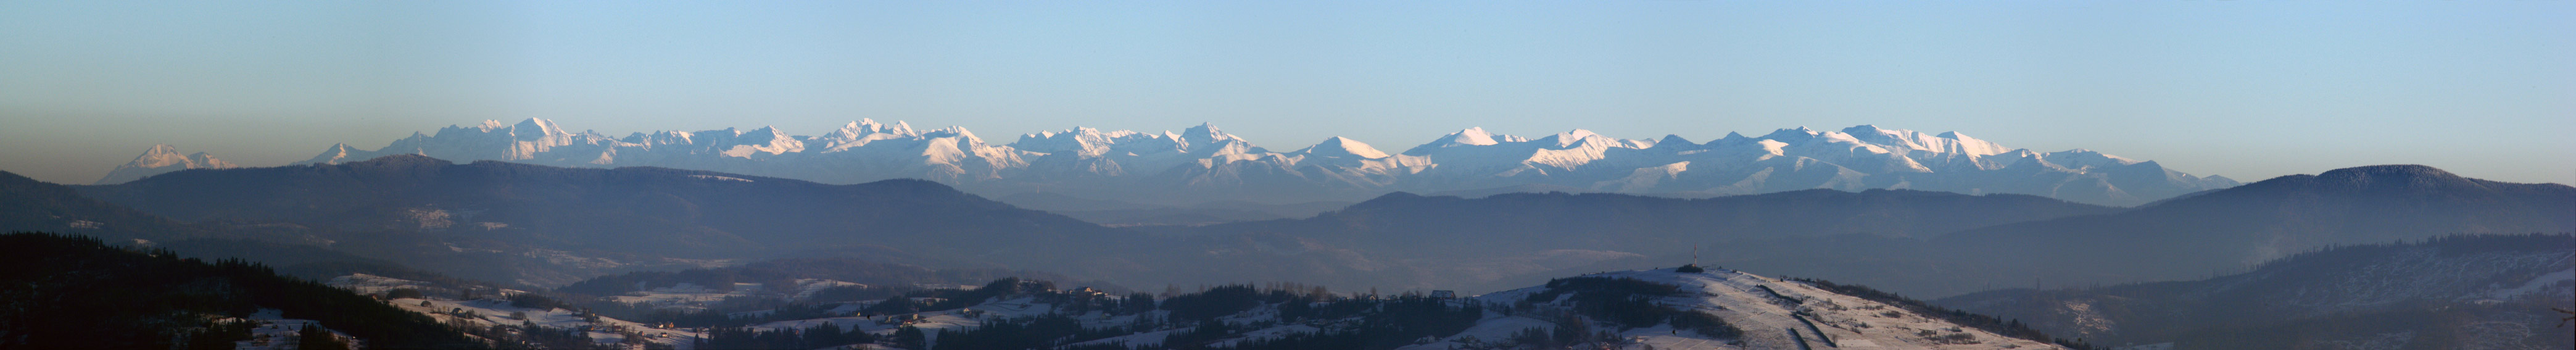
pixel 909 338
pixel 313 337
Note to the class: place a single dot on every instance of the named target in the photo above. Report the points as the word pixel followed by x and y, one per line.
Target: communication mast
pixel 1693 267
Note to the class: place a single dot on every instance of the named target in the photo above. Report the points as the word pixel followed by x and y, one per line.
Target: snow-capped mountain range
pixel 1203 163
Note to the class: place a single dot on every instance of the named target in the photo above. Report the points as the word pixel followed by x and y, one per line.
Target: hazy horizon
pixel 2247 90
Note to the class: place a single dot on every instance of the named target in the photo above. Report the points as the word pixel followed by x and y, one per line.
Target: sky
pixel 2244 89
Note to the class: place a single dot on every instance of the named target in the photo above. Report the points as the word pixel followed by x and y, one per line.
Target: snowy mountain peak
pixel 865 126
pixel 338 153
pixel 159 156
pixel 1086 141
pixel 536 127
pixel 159 150
pixel 765 132
pixel 1800 134
pixel 1470 136
pixel 959 132
pixel 1909 140
pixel 1866 131
pixel 207 158
pixel 861 132
pixel 1205 135
pixel 1344 147
pixel 160 159
pixel 1475 136
pixel 1570 138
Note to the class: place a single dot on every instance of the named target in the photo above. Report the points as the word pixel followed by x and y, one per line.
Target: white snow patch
pixel 720 178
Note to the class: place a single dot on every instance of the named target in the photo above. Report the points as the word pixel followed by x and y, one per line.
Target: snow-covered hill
pixel 1203 163
pixel 1771 313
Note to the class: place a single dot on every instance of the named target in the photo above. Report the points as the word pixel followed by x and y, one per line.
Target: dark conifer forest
pixel 71 292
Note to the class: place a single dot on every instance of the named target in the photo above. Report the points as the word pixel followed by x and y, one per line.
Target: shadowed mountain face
pixel 1557 219
pixel 1118 213
pixel 662 211
pixel 30 205
pixel 2229 229
pixel 1408 240
pixel 620 215
pixel 1919 243
pixel 540 225
pixel 2448 293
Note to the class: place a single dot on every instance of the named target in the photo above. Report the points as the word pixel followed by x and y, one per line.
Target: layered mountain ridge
pixel 1203 163
pixel 537 225
pixel 2271 219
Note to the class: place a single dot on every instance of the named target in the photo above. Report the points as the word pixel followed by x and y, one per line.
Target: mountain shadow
pixel 1407 240
pixel 431 213
pixel 2231 229
pixel 2453 292
pixel 30 205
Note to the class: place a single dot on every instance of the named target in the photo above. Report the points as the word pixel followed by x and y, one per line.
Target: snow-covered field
pixel 1774 314
pixel 488 312
pixel 685 295
pixel 276 332
pixel 689 296
pixel 373 284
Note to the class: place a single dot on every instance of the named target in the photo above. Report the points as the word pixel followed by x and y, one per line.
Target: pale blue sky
pixel 2246 89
